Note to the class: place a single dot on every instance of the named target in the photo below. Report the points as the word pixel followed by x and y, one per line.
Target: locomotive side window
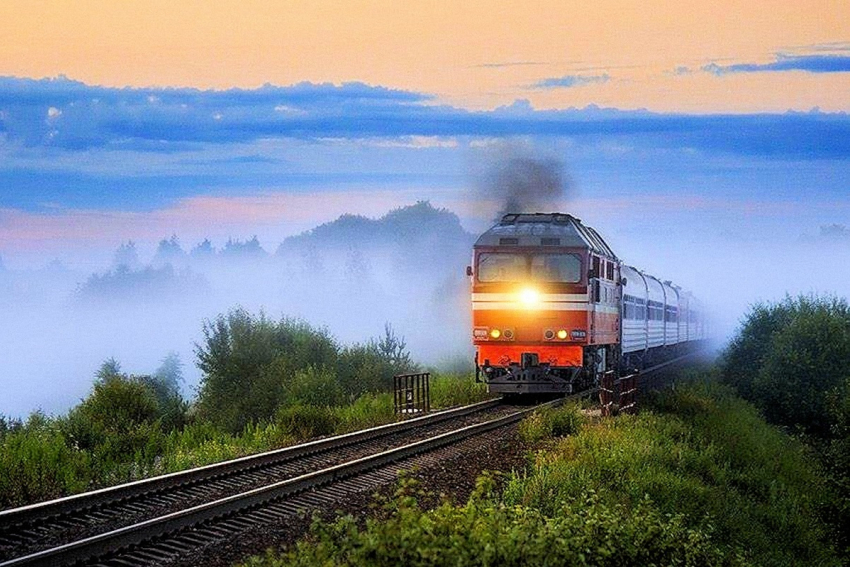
pixel 562 268
pixel 610 270
pixel 494 267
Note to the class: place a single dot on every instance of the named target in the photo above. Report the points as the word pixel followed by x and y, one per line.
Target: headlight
pixel 529 297
pixel 562 334
pixel 495 333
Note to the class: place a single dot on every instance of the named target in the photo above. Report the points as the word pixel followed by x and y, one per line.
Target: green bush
pixel 253 366
pixel 36 464
pixel 246 362
pixel 315 386
pixel 369 410
pixel 791 358
pixel 548 422
pixel 305 422
pixel 449 390
pixel 704 454
pixel 486 532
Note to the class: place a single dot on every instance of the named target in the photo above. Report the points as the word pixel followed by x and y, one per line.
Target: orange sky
pixel 439 47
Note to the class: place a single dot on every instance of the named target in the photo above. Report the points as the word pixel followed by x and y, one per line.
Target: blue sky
pixel 148 162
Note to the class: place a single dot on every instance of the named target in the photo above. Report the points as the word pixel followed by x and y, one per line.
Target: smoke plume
pixel 524 183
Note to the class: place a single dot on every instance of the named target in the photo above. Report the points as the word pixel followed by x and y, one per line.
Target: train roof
pixel 544 229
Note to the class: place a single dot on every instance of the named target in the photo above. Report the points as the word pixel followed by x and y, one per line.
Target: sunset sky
pixel 136 120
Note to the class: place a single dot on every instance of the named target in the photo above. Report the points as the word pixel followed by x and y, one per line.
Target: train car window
pixel 563 268
pixel 596 273
pixel 609 268
pixel 497 267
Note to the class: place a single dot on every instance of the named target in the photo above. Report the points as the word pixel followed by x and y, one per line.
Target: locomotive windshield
pixel 501 267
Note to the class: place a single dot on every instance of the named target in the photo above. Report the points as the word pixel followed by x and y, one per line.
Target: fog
pixel 353 275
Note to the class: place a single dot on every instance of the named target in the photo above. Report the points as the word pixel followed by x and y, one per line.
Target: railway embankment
pixel 698 477
pixel 742 463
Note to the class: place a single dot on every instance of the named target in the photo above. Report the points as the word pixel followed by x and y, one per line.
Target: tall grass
pixel 51 457
pixel 697 479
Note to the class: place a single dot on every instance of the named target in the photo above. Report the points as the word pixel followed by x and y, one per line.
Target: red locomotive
pixel 553 307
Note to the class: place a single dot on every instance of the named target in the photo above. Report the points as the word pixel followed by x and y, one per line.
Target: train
pixel 554 308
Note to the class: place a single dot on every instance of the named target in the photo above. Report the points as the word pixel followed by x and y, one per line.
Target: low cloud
pixel 817 63
pixel 570 81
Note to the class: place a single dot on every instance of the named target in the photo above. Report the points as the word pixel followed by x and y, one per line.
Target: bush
pixel 36 464
pixel 449 390
pixel 548 422
pixel 369 410
pixel 703 454
pixel 313 386
pixel 305 422
pixel 791 358
pixel 486 532
pixel 247 361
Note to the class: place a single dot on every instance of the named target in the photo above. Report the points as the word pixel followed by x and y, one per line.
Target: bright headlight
pixel 529 297
pixel 562 334
pixel 495 333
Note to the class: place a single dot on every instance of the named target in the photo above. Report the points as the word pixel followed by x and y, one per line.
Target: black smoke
pixel 523 183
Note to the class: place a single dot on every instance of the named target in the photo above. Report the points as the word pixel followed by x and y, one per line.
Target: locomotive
pixel 554 308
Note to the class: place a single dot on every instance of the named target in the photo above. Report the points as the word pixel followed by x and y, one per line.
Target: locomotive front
pixel 539 297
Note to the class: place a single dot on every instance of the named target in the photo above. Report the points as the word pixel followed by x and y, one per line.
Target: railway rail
pixel 156 520
pixel 38 526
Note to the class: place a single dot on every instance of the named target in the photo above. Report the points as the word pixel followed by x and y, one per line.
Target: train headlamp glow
pixel 562 334
pixel 495 333
pixel 529 297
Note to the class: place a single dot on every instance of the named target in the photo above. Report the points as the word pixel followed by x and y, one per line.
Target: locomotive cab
pixel 544 299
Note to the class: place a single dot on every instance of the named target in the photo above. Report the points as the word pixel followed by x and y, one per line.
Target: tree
pixel 247 361
pixel 109 370
pixel 126 255
pixel 203 250
pixel 170 372
pixel 238 249
pixel 790 359
pixel 394 349
pixel 169 251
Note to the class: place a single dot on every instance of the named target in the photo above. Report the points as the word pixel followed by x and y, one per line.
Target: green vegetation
pixel 792 360
pixel 548 422
pixel 254 366
pixel 697 479
pixel 266 385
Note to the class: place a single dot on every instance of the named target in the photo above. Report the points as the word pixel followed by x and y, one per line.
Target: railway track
pixel 161 519
pixel 151 520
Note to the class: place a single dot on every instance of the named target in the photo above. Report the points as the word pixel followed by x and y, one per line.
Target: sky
pixel 140 119
pixel 708 142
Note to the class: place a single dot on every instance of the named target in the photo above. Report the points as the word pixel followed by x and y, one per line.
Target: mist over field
pixel 352 275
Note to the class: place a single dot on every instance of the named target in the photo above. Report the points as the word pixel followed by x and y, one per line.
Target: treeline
pixel 265 384
pixel 352 247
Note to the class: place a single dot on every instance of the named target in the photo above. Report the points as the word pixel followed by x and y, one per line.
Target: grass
pixel 39 460
pixel 697 478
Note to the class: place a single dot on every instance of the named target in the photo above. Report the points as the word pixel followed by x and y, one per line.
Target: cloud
pixel 817 63
pixel 141 149
pixel 569 81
